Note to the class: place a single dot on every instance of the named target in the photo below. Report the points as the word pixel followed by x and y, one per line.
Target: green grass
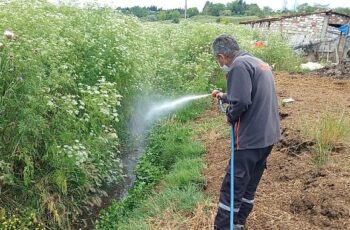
pixel 185 172
pixel 173 164
pixel 180 191
pixel 329 131
pixel 171 157
pixel 171 202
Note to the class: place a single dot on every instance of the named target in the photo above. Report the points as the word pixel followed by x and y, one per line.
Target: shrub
pixel 61 82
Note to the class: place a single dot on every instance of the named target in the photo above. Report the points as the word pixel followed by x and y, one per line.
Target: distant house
pixel 321 32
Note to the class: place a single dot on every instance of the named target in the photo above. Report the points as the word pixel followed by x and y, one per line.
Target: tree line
pixel 234 8
pixel 241 8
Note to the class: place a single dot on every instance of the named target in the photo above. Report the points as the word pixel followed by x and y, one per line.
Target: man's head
pixel 225 49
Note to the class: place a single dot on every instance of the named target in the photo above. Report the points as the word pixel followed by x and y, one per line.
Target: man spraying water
pixel 253 111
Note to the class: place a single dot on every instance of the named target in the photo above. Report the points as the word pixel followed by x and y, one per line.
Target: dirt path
pixel 294 193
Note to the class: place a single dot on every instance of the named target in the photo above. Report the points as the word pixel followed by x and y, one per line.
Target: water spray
pixel 165 107
pixel 146 113
pixel 168 106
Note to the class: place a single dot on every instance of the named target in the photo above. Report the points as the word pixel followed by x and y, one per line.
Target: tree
pixel 342 10
pixel 306 8
pixel 175 16
pixel 320 6
pixel 225 13
pixel 162 15
pixel 237 7
pixel 253 9
pixel 242 6
pixel 193 11
pixel 152 8
pixel 213 9
pixel 138 11
pixel 233 6
pixel 267 10
pixel 206 5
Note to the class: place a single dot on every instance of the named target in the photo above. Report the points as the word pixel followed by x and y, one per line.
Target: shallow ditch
pixel 114 193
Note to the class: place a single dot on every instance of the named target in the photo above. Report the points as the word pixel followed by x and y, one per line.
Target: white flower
pixel 113 136
pixel 105 111
pixel 9 34
pixel 50 103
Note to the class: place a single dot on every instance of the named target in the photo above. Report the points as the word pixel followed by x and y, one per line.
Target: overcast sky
pixel 171 4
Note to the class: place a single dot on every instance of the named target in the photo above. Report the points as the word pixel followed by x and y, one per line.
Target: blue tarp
pixel 344 29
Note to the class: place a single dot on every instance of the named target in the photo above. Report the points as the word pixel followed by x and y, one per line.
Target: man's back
pixel 251 84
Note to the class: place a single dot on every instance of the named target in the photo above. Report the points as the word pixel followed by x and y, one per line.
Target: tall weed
pixel 329 131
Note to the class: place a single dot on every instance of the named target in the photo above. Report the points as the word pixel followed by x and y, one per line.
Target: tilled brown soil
pixel 294 192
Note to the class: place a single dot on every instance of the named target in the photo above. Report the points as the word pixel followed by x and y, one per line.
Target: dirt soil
pixel 340 71
pixel 294 193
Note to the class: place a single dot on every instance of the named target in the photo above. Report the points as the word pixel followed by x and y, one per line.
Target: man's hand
pixel 216 93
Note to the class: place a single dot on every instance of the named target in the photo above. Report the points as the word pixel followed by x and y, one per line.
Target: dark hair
pixel 226 45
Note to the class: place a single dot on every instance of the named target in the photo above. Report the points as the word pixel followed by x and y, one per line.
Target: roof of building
pixel 292 16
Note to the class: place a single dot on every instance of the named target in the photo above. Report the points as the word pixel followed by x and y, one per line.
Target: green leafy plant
pixel 168 144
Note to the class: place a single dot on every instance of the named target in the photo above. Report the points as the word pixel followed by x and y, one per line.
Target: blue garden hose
pixel 232 176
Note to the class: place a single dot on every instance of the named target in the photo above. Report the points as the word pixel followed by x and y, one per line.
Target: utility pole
pixel 185 9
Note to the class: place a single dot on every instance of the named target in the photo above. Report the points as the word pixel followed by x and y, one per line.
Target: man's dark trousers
pixel 249 167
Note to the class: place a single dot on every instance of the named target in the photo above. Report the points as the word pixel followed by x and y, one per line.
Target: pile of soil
pixel 341 71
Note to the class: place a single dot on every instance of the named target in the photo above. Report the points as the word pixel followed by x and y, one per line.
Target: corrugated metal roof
pixel 292 16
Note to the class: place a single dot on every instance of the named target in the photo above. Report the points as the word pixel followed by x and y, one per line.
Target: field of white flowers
pixel 68 80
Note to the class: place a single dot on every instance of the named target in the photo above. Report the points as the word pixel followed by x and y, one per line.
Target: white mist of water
pixel 145 114
pixel 158 110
